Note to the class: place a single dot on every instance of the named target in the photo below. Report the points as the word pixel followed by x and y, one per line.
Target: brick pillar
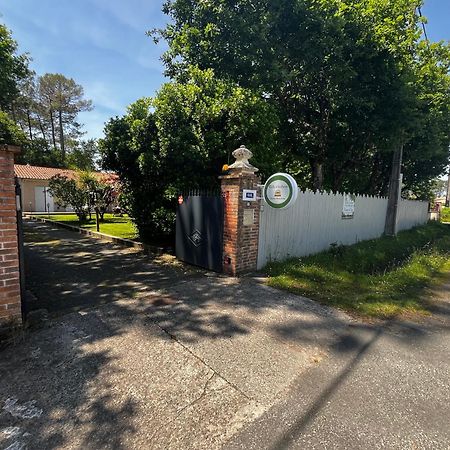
pixel 241 217
pixel 10 298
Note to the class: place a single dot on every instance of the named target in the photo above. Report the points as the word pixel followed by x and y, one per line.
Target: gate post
pixel 241 215
pixel 10 292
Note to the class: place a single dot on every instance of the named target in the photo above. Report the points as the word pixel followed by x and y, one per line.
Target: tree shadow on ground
pixel 52 373
pixel 69 273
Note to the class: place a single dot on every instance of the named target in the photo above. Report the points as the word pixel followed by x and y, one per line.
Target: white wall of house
pixel 43 199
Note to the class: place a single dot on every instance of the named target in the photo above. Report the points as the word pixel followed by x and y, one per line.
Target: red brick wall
pixel 240 242
pixel 10 303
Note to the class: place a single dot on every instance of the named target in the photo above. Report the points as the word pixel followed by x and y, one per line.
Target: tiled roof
pixel 45 173
pixel 40 173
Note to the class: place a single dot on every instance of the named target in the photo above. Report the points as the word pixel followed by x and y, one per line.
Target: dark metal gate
pixel 199 230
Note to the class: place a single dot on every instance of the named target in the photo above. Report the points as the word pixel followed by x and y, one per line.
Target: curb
pixel 105 237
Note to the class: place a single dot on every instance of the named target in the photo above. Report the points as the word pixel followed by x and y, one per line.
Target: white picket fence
pixel 315 222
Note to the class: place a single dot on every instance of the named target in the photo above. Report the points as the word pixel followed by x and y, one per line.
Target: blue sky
pixel 103 46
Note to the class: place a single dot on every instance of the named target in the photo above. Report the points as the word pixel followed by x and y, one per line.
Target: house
pixel 34 181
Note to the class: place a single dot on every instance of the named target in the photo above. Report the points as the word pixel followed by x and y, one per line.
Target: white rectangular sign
pixel 249 195
pixel 348 209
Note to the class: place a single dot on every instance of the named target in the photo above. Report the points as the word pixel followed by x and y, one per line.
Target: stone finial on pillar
pixel 241 216
pixel 242 155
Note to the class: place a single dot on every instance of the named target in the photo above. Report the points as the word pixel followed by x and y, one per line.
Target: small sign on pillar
pixel 249 195
pixel 249 217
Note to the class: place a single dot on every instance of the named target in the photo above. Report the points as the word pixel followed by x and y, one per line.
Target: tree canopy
pixel 13 69
pixel 352 80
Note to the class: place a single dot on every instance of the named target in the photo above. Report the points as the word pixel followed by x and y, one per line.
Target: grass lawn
pixel 379 278
pixel 445 214
pixel 115 226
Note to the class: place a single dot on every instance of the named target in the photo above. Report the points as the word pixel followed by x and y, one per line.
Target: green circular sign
pixel 280 191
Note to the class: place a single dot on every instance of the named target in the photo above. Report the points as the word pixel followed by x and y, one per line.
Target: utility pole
pixel 395 191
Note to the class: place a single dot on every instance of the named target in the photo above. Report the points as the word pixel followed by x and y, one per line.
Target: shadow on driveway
pixel 173 358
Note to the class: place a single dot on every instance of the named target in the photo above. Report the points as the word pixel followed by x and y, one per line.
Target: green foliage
pixel 13 69
pixel 83 155
pixel 382 277
pixel 438 188
pixel 38 153
pixel 69 191
pixel 45 108
pixel 180 140
pixel 100 194
pixel 61 99
pixel 10 133
pixel 84 193
pixel 427 151
pixel 445 215
pixel 352 80
pixel 131 149
pixel 201 120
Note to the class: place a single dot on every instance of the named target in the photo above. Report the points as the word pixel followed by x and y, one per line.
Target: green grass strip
pixel 378 278
pixel 121 227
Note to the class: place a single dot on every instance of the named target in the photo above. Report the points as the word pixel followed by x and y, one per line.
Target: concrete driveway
pixel 147 354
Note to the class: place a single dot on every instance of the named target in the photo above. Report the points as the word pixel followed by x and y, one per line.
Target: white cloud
pixel 136 14
pixel 102 96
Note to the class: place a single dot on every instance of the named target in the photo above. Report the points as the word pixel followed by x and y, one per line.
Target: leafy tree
pixel 38 153
pixel 180 140
pixel 85 193
pixel 10 133
pixel 13 69
pixel 439 188
pixel 427 151
pixel 345 76
pixel 69 191
pixel 62 99
pixel 131 149
pixel 48 143
pixel 100 194
pixel 201 120
pixel 83 155
pixel 45 108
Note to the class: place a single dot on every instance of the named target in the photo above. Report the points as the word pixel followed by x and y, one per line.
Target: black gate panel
pixel 199 231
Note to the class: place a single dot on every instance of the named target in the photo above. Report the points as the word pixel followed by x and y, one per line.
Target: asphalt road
pixel 388 387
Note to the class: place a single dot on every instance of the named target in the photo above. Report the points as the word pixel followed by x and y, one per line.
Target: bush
pixel 179 142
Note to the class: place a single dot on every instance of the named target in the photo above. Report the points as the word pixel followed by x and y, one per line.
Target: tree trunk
pixel 13 113
pixel 53 129
pixel 41 127
pixel 317 175
pixel 61 134
pixel 338 175
pixel 29 125
pixel 395 191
